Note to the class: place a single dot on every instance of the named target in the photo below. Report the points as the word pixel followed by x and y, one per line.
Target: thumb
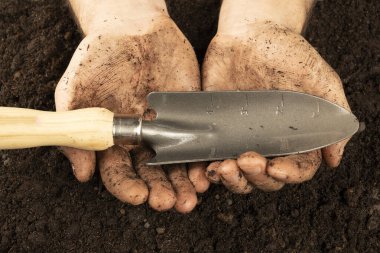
pixel 82 161
pixel 324 82
pixel 333 154
pixel 333 92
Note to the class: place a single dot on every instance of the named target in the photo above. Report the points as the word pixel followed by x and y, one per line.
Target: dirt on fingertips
pixel 44 209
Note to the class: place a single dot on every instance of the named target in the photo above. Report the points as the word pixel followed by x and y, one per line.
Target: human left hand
pixel 258 52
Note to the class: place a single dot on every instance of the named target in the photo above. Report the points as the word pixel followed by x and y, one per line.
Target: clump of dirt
pixel 43 208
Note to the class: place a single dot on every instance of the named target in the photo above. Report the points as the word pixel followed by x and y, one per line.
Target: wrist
pixel 235 15
pixel 117 16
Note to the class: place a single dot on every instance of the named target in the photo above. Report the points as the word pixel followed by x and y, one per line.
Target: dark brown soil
pixel 44 209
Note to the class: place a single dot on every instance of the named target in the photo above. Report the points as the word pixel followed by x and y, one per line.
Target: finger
pixel 186 194
pixel 197 176
pixel 333 91
pixel 82 162
pixel 295 168
pixel 119 177
pixel 232 177
pixel 253 166
pixel 211 173
pixel 333 154
pixel 161 193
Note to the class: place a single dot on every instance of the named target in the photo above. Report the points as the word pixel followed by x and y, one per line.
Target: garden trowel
pixel 190 126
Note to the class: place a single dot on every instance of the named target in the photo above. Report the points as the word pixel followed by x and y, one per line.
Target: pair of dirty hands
pixel 121 60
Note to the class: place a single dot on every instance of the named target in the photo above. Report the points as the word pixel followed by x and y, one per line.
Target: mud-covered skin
pixel 253 166
pixel 295 168
pixel 181 183
pixel 231 176
pixel 270 56
pixel 117 72
pixel 198 177
pixel 211 172
pixel 162 195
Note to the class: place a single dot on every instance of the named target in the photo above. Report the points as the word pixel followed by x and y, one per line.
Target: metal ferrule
pixel 126 130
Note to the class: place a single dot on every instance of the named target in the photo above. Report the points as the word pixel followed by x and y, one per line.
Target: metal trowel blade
pixel 207 126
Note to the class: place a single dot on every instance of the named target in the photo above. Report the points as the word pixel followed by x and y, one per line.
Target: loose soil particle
pixel 43 208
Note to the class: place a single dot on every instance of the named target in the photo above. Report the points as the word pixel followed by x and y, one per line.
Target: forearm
pixel 132 16
pixel 291 14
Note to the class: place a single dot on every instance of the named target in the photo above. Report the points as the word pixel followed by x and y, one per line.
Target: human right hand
pixel 130 49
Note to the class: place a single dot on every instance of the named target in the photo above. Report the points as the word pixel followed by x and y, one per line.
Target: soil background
pixel 44 209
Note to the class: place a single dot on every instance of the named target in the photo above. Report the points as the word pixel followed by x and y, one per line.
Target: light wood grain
pixel 89 129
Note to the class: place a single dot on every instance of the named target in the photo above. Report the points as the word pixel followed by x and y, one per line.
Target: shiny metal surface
pixel 205 126
pixel 126 130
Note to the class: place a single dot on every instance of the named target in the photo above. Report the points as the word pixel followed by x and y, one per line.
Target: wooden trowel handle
pixel 89 129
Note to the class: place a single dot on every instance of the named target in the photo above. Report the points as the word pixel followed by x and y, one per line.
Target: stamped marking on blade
pixel 244 109
pixel 280 108
pixel 212 152
pixel 210 110
pixel 316 114
pixel 284 146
